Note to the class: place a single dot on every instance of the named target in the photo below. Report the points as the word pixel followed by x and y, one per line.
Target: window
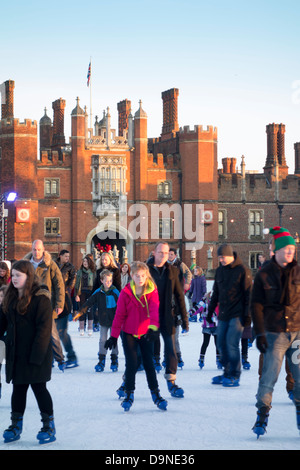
pixel 253 259
pixel 52 226
pixel 222 224
pixel 165 228
pixel 164 189
pixel 51 187
pixel 255 223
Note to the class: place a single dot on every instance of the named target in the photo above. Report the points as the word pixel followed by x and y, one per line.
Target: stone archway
pixel 120 238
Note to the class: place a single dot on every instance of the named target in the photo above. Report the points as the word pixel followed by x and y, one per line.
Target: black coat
pixel 232 290
pixel 28 340
pixel 171 297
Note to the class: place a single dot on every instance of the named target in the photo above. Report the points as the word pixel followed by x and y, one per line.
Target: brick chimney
pixel 7 98
pixel 124 108
pixel 170 111
pixel 58 122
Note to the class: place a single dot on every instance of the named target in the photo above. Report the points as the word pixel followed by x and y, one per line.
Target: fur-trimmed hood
pixel 47 258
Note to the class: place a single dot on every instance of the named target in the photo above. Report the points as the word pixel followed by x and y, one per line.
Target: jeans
pixel 56 346
pixel 103 337
pixel 279 345
pixel 130 346
pixel 229 334
pixel 62 328
pixel 170 355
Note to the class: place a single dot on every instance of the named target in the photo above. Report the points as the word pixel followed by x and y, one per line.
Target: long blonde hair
pixel 139 265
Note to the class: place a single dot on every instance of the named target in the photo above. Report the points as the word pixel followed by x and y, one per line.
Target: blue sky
pixel 236 63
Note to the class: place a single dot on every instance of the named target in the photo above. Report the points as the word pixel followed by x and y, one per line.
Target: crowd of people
pixel 143 303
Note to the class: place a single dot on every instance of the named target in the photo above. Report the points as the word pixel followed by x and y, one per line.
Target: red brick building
pixel 129 191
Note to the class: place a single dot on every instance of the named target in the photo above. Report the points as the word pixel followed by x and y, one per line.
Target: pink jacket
pixel 134 315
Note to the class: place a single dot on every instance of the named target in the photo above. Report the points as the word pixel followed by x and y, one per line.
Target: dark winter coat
pixel 170 296
pixel 49 274
pixel 106 301
pixel 68 273
pixel 28 340
pixel 275 300
pixel 198 288
pixel 116 278
pixel 232 289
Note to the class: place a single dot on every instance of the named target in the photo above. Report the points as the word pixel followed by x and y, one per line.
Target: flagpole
pixel 91 95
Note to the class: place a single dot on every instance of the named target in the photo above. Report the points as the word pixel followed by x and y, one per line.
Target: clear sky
pixel 236 63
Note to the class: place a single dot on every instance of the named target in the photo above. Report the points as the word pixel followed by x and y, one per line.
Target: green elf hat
pixel 281 237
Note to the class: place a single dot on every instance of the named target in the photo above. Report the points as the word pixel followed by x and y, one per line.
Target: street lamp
pixel 280 209
pixel 5 197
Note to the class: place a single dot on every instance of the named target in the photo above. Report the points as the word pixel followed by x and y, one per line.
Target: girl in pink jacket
pixel 138 319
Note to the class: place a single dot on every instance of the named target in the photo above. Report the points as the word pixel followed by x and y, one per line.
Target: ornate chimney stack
pixel 7 98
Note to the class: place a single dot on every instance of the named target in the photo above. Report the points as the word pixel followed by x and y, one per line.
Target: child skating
pixel 138 319
pixel 105 298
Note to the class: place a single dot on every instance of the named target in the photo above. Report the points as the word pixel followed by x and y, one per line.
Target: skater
pixel 208 330
pixel 198 286
pixel 232 287
pixel 125 274
pixel 3 289
pixel 289 378
pixel 4 273
pixel 107 261
pixel 84 282
pixel 170 292
pixel 246 336
pixel 26 316
pixel 105 298
pixel 49 274
pixel 137 318
pixel 68 274
pixel 275 308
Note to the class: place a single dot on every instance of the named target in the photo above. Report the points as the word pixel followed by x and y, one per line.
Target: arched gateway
pixel 121 238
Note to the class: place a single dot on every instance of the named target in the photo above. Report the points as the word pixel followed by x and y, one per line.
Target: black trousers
pixel 130 346
pixel 41 393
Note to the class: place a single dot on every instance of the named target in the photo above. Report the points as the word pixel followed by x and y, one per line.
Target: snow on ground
pixel 88 415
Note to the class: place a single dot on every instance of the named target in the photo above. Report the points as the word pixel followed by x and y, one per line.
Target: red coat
pixel 134 315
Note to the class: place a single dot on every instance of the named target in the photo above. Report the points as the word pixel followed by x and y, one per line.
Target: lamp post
pixel 280 209
pixel 5 197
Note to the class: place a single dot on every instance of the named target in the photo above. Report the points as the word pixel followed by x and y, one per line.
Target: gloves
pixel 152 335
pixel 209 317
pixel 75 318
pixel 261 343
pixel 111 343
pixel 245 321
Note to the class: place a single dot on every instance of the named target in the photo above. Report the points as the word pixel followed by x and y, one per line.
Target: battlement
pixel 13 123
pixel 171 161
pixel 200 131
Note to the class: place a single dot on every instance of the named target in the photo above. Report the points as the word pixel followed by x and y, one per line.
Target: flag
pixel 89 74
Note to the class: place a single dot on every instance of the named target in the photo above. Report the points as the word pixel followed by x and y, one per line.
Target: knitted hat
pixel 281 237
pixel 225 250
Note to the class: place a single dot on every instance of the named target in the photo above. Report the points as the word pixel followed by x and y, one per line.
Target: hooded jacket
pixel 231 290
pixel 28 340
pixel 106 301
pixel 50 275
pixel 275 301
pixel 134 315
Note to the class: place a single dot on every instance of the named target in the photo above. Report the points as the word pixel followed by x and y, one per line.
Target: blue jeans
pixel 229 334
pixel 62 328
pixel 279 346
